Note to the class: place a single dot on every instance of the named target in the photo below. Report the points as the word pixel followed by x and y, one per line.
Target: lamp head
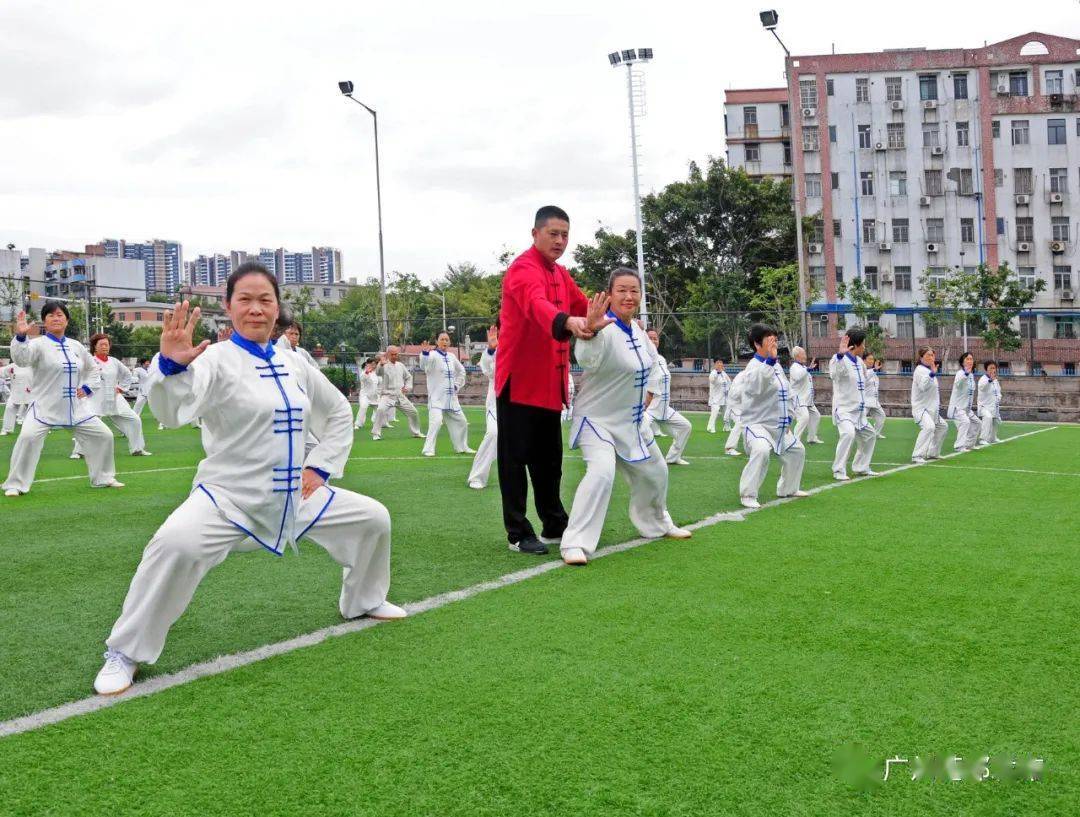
pixel 769 18
pixel 346 87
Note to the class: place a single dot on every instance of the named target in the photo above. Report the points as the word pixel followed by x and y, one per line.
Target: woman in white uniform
pixel 807 416
pixel 367 393
pixel 61 368
pixel 139 376
pixel 20 380
pixel 608 424
pixel 658 405
pixel 445 377
pixel 108 382
pixel 875 414
pixel 962 404
pixel 719 385
pixel 926 408
pixel 395 380
pixel 485 454
pixel 254 487
pixel 733 414
pixel 848 374
pixel 989 404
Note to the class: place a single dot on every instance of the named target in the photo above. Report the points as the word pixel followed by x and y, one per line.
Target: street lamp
pixel 629 57
pixel 346 89
pixel 344 382
pixel 770 19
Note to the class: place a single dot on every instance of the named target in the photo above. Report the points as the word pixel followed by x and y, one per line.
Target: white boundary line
pixel 225 663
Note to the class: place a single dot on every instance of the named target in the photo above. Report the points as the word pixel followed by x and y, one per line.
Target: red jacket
pixel 534 347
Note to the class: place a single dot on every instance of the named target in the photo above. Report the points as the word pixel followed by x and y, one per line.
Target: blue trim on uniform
pixel 324 474
pixel 262 352
pixel 625 327
pixel 168 367
pixel 21 338
pixel 319 515
pixel 202 488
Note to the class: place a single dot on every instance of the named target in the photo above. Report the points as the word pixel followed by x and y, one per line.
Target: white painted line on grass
pixel 226 663
pixel 1007 470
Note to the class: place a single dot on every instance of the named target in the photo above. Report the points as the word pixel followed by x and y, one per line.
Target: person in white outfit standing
pixel 875 414
pixel 609 424
pixel 139 375
pixel 848 374
pixel 989 404
pixel 367 393
pixel 568 408
pixel 445 377
pixel 486 453
pixel 926 408
pixel 733 414
pixel 110 379
pixel 255 487
pixel 61 370
pixel 289 339
pixel 768 412
pixel 394 381
pixel 719 385
pixel 20 382
pixel 962 404
pixel 658 404
pixel 807 416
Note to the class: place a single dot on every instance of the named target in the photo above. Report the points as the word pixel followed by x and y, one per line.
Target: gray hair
pixel 796 350
pixel 621 272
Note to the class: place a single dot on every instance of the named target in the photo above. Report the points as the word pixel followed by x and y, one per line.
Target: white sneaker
pixel 75 457
pixel 816 441
pixel 881 436
pixel 12 492
pixel 840 476
pixel 142 453
pixel 160 427
pixel 429 453
pixel 710 431
pixel 575 556
pixel 918 460
pixel 111 484
pixel 117 674
pixel 679 461
pixel 419 436
pixel 4 433
pixel 476 486
pixel 869 472
pixel 679 533
pixel 387 612
pixel 798 494
pixel 376 437
pixel 749 502
pixel 467 450
pixel 732 452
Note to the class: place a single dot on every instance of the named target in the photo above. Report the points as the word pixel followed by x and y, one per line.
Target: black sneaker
pixel 529 544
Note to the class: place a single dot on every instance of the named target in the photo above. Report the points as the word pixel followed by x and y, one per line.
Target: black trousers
pixel 530 438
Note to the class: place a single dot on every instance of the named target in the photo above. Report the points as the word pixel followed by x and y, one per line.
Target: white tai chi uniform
pixel 445 377
pixel 848 374
pixel 568 409
pixel 926 410
pixel 106 402
pixel 394 381
pixel 139 378
pixel 733 413
pixel 661 411
pixel 719 385
pixel 962 410
pixel 61 368
pixel 989 409
pixel 807 416
pixel 367 395
pixel 486 453
pixel 258 403
pixel 283 342
pixel 20 380
pixel 875 414
pixel 768 410
pixel 608 427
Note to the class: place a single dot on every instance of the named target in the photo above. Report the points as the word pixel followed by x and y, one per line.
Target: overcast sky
pixel 219 124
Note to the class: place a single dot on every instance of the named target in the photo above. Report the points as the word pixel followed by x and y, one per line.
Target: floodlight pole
pixel 637 194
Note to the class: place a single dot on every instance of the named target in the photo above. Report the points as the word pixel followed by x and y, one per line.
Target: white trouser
pixel 932 431
pixel 382 413
pixel 97 442
pixel 354 530
pixel 486 453
pixel 648 481
pixel 127 422
pixel 875 415
pixel 714 412
pixel 967 429
pixel 849 432
pixel 807 420
pixel 732 443
pixel 456 424
pixel 989 426
pixel 760 442
pixel 362 405
pixel 13 412
pixel 140 402
pixel 680 429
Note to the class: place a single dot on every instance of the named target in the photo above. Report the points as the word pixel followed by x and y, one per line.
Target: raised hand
pixel 24 327
pixel 596 317
pixel 493 337
pixel 177 332
pixel 772 345
pixel 845 344
pixel 425 347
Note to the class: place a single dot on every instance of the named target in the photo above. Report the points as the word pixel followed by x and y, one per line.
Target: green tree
pixel 300 301
pixel 868 308
pixel 998 298
pixel 777 299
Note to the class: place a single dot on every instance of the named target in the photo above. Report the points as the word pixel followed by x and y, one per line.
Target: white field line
pixel 225 663
pixel 1006 470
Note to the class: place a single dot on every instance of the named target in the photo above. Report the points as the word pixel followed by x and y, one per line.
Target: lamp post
pixel 342 349
pixel 630 57
pixel 346 89
pixel 769 20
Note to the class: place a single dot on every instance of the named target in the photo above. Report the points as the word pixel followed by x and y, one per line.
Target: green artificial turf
pixel 929 611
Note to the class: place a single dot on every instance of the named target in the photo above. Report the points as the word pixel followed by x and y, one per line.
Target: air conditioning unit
pixel 924 201
pixel 1056 198
pixel 1023 246
pixel 884 246
pixel 931 247
pixel 879 146
pixel 1066 294
pixel 886 277
pixel 929 104
pixel 897 105
pixel 814 249
pixel 1057 246
pixel 809 113
pixel 937 150
pixel 1003 89
pixel 1022 199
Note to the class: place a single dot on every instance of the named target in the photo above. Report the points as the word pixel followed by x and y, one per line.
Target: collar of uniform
pixel 440 351
pixel 768 361
pixel 920 363
pixel 102 359
pixel 852 358
pixel 548 265
pixel 56 339
pixel 261 352
pixel 618 322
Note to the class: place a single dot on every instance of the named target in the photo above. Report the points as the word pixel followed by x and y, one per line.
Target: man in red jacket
pixel 542 308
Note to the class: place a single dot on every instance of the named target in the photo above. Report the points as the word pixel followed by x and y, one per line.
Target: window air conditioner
pixel 884 246
pixel 1056 198
pixel 931 247
pixel 814 249
pixel 937 151
pixel 1022 199
pixel 929 104
pixel 1057 246
pixel 1066 294
pixel 897 105
pixel 924 201
pixel 809 113
pixel 1003 89
pixel 1023 246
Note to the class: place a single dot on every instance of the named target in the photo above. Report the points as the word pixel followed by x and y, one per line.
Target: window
pixel 1025 229
pixel 1018 83
pixel 1068 369
pixel 905 367
pixel 898 183
pixel 894 89
pixel 1036 367
pixel 813 185
pixel 1059 180
pixel 999 177
pixel 835 181
pixel 995 128
pixel 933 330
pixel 959 84
pixel 819 326
pixel 1029 327
pixel 864 137
pixel 1020 132
pixel 1064 328
pixel 839 275
pixel 1022 181
pixel 1055 82
pixel 138 316
pixel 963 134
pixel 326 292
pixel 829 87
pixel 900 231
pixel 935 276
pixel 1026 277
pixel 836 230
pixel 965 181
pixel 785 116
pixel 862 90
pixel 928 86
pixel 932 179
pixel 931 135
pixel 832 134
pixel 895 131
pixel 1055 131
pixel 1059 228
pixel 817 231
pixel 866 182
pixel 905 326
pixel 1062 277
pixel 160 316
pixel 869 231
pixel 753 152
pixel 817 278
pixel 935 229
pixel 787 154
pixel 808 93
pixel 902 278
pixel 810 138
pixel 967 230
pixel 749 115
pixel 870 277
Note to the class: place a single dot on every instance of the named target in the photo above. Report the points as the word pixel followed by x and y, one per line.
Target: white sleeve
pixel 124 376
pixel 23 353
pixel 426 363
pixel 487 363
pixel 331 422
pixel 407 378
pixel 459 375
pixel 89 374
pixel 590 353
pixel 837 369
pixel 177 399
pixel 654 386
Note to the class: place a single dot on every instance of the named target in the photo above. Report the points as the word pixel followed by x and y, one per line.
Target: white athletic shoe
pixel 918 460
pixel 142 453
pixel 678 533
pixel 734 452
pixel 575 556
pixel 12 492
pixel 4 433
pixel 418 436
pixel 476 486
pixel 869 472
pixel 117 674
pixel 659 433
pixel 841 477
pixel 160 427
pixel 375 438
pixel 816 441
pixel 797 494
pixel 429 453
pixel 881 436
pixel 386 612
pixel 679 461
pixel 391 425
pixel 467 450
pixel 75 457
pixel 111 484
pixel 749 502
pixel 710 431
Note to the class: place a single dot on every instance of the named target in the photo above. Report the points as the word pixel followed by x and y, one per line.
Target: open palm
pixel 177 333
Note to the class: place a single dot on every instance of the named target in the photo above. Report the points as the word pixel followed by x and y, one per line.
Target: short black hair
pixel 52 306
pixel 143 360
pixel 758 332
pixel 251 268
pixel 855 336
pixel 548 212
pixel 989 363
pixel 960 360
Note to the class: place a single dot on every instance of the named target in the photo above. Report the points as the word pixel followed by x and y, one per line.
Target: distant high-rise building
pixel 212 270
pixel 326 262
pixel 268 258
pixel 163 261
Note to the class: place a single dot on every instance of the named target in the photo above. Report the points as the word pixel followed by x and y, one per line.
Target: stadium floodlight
pixel 345 87
pixel 769 19
pixel 614 58
pixel 629 55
